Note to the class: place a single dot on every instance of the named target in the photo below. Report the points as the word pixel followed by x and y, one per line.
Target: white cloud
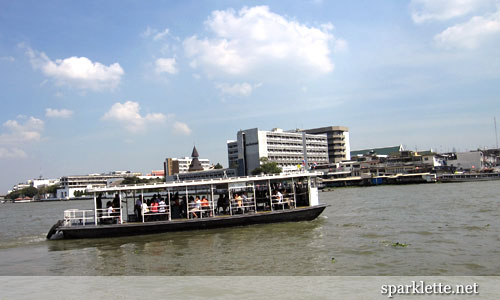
pixel 12 153
pixel 161 35
pixel 29 131
pixel 181 128
pixel 237 89
pixel 442 10
pixel 7 58
pixel 471 34
pixel 166 65
pixel 255 38
pixel 128 114
pixel 78 72
pixel 58 113
pixel 19 134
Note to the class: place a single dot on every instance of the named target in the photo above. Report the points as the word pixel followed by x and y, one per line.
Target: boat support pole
pixel 270 194
pixel 121 215
pixel 95 210
pixel 142 202
pixel 169 206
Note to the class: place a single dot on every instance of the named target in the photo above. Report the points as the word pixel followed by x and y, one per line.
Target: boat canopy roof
pixel 174 184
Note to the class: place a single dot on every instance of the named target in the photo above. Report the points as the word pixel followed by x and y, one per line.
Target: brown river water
pixel 428 229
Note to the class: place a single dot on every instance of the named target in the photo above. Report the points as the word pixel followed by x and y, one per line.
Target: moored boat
pixel 191 205
pixel 466 177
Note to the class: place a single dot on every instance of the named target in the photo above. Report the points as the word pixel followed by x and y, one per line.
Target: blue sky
pixel 95 86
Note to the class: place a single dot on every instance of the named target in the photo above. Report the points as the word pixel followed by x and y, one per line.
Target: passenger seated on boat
pixel 162 209
pixel 205 205
pixel 278 198
pixel 197 207
pixel 108 219
pixel 110 209
pixel 154 209
pixel 238 201
pixel 145 210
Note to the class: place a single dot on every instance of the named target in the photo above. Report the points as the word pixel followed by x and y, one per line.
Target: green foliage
pixel 267 167
pixel 52 189
pixel 79 193
pixel 26 192
pixel 218 166
pixel 136 180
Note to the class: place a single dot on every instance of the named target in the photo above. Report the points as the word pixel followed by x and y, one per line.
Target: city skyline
pixel 94 87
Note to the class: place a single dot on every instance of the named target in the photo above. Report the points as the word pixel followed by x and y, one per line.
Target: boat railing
pixel 161 213
pixel 200 210
pixel 286 199
pixel 243 205
pixel 104 216
pixel 80 217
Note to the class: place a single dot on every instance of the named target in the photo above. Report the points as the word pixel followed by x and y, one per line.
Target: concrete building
pixel 71 184
pixel 36 183
pixel 467 161
pixel 181 165
pixel 287 149
pixel 232 154
pixel 339 148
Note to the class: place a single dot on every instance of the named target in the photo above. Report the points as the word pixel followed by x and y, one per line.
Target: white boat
pixel 244 201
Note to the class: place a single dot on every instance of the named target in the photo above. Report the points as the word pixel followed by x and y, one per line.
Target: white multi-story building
pixel 287 149
pixel 36 183
pixel 71 184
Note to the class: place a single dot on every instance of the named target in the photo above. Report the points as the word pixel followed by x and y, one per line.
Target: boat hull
pixel 129 229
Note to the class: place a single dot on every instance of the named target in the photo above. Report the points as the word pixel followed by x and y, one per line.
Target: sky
pixel 97 86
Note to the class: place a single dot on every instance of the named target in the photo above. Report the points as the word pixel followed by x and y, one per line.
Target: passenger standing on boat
pixel 98 205
pixel 116 201
pixel 221 202
pixel 176 209
pixel 138 207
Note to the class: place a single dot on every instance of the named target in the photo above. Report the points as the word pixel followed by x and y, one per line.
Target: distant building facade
pixel 232 154
pixel 339 147
pixel 287 149
pixel 174 166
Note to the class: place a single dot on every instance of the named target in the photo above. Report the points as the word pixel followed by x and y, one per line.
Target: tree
pixel 218 166
pixel 267 167
pixel 26 192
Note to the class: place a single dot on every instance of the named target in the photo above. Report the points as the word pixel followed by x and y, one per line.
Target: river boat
pixel 466 177
pixel 193 205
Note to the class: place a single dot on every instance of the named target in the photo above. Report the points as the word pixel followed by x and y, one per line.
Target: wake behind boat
pixel 191 205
